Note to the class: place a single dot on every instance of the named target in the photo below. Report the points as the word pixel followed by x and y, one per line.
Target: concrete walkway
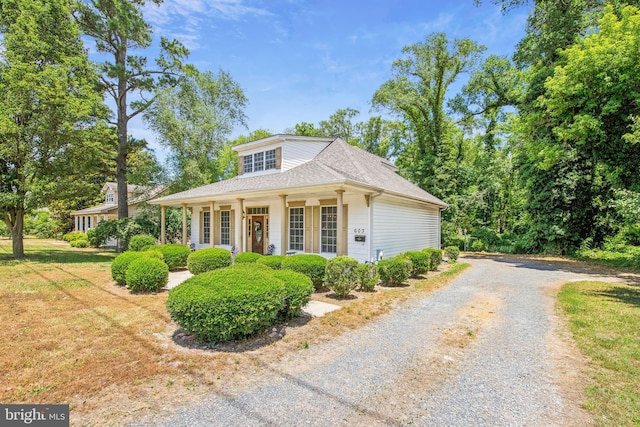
pixel 314 308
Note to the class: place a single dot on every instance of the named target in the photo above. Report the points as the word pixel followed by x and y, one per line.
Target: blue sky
pixel 301 60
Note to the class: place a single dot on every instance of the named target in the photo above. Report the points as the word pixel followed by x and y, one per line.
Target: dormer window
pixel 109 198
pixel 258 162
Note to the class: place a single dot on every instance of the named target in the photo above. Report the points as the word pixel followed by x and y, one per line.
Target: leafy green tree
pixel 194 120
pixel 416 93
pixel 119 29
pixel 48 105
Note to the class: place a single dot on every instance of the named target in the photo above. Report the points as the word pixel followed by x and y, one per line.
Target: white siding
pixel 195 228
pixel 401 226
pixel 358 223
pixel 295 153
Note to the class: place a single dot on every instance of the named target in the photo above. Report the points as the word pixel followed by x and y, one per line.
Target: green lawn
pixel 605 321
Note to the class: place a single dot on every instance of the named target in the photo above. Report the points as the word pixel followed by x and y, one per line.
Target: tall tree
pixel 118 28
pixel 417 94
pixel 194 120
pixel 48 102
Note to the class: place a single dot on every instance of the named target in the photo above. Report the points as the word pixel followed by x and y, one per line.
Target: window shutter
pixel 240 165
pixel 316 229
pixel 216 223
pixel 279 158
pixel 232 228
pixel 307 229
pixel 201 234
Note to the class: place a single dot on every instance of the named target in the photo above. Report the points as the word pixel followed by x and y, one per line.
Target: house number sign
pixel 358 230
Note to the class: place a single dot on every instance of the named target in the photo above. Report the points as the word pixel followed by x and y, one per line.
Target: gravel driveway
pixel 487 349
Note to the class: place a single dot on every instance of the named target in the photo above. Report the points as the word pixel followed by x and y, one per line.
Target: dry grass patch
pixel 68 334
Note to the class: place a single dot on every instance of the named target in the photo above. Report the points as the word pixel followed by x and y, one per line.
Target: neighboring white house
pixel 311 195
pixel 85 219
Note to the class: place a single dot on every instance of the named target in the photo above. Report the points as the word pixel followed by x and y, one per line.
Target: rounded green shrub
pixel 68 237
pixel 147 274
pixel 227 303
pixel 420 262
pixel 435 256
pixel 80 242
pixel 368 277
pixel 141 242
pixel 175 255
pixel 120 263
pixel 341 275
pixel 247 257
pixel 478 246
pixel 273 261
pixel 394 271
pixel 452 253
pixel 298 289
pixel 311 265
pixel 208 259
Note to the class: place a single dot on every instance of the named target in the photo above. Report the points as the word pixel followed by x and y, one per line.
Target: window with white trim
pixel 248 164
pixel 296 229
pixel 258 162
pixel 225 227
pixel 206 227
pixel 109 197
pixel 269 159
pixel 329 229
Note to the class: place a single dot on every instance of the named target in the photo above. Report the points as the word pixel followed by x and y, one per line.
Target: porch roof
pixel 337 166
pixel 100 209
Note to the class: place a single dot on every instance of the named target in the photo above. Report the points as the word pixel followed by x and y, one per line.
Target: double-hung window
pixel 109 198
pixel 225 227
pixel 296 229
pixel 248 164
pixel 269 159
pixel 206 227
pixel 329 229
pixel 258 162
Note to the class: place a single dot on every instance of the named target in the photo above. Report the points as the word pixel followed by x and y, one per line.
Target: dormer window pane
pixel 248 163
pixel 109 198
pixel 270 159
pixel 258 162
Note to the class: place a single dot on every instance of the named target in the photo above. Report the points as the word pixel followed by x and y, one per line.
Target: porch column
pixel 339 225
pixel 211 223
pixel 76 220
pixel 184 223
pixel 240 226
pixel 163 215
pixel 283 225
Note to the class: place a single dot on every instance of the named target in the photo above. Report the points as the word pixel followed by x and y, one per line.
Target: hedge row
pixel 150 272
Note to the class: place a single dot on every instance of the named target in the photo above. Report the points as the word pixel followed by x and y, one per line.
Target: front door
pixel 257 234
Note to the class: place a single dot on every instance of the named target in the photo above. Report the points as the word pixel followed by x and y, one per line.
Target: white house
pixel 85 219
pixel 311 195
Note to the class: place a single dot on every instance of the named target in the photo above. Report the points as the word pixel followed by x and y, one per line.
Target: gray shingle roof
pixel 338 163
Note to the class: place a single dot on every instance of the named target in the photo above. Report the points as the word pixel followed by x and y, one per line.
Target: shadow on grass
pixel 625 294
pixel 61 255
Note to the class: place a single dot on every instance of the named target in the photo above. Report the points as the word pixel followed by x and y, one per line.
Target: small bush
pixel 247 257
pixel 175 255
pixel 147 274
pixel 394 271
pixel 121 263
pixel 80 242
pixel 367 277
pixel 452 253
pixel 73 236
pixel 311 265
pixel 298 289
pixel 435 257
pixel 208 259
pixel 273 261
pixel 141 242
pixel 227 303
pixel 478 246
pixel 420 262
pixel 341 275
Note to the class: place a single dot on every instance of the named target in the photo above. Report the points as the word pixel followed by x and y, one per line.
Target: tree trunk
pixel 123 147
pixel 17 229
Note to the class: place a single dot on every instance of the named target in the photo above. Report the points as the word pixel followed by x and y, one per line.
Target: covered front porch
pixel 306 220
